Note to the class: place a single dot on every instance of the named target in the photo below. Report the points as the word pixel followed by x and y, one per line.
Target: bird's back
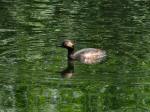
pixel 89 55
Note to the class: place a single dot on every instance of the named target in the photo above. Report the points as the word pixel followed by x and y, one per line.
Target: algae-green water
pixel 31 65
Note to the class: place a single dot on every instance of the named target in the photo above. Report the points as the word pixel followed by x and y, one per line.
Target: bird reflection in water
pixel 68 72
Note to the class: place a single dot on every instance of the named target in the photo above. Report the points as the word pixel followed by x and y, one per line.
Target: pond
pixel 32 66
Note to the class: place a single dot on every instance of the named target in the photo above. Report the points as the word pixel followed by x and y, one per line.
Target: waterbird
pixel 86 55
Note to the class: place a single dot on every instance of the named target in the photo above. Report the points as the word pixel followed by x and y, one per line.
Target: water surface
pixel 30 62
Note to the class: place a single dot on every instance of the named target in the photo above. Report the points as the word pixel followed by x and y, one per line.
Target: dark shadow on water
pixel 68 72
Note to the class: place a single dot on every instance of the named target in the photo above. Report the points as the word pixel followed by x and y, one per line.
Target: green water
pixel 30 62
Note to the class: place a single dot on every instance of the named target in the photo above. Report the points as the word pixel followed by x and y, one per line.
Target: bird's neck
pixel 70 53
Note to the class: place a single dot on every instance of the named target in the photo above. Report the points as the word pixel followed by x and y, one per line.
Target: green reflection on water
pixel 30 63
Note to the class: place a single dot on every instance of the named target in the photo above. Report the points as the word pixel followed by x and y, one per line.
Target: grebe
pixel 86 55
